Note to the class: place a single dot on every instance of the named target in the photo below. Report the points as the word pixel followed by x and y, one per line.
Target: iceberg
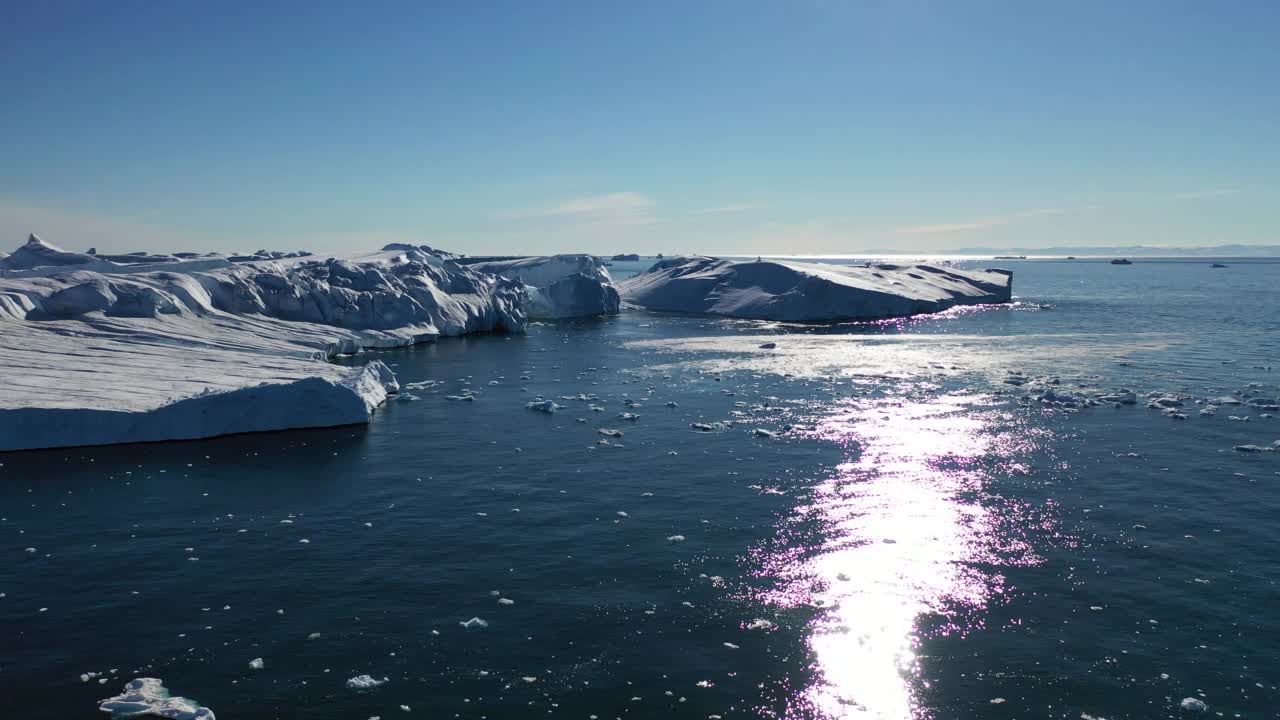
pixel 96 357
pixel 560 286
pixel 147 697
pixel 809 292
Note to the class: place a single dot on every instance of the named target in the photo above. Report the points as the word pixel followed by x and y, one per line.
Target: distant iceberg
pixel 809 292
pixel 560 286
pixel 113 354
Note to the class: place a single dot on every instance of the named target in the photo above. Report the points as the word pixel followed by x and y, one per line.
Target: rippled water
pixel 918 541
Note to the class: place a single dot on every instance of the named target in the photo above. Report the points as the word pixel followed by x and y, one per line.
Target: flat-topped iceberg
pixel 809 292
pixel 560 286
pixel 94 358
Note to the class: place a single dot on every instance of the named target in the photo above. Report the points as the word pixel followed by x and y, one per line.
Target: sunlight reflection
pixel 905 522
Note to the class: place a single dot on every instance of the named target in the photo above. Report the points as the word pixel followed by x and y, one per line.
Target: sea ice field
pixel 1061 507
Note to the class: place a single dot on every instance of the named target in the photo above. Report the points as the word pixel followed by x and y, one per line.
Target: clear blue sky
pixel 807 127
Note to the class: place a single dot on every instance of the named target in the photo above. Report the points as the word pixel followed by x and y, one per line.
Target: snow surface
pixel 560 286
pixel 95 358
pixel 809 292
pixel 147 697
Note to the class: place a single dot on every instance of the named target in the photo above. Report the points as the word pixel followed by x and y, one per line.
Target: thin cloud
pixel 725 209
pixel 978 224
pixel 606 206
pixel 1201 194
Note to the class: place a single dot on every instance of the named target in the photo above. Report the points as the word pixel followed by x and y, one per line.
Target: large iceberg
pixel 105 355
pixel 560 286
pixel 809 292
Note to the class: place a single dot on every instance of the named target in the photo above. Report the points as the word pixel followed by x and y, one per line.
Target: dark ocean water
pixel 918 541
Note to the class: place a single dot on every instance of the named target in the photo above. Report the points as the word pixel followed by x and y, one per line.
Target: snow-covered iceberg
pixel 560 286
pixel 809 292
pixel 107 357
pixel 148 697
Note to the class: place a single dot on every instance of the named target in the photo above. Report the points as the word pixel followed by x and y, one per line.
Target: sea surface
pixel 877 520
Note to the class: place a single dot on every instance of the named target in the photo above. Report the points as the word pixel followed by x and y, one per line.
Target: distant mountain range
pixel 1127 250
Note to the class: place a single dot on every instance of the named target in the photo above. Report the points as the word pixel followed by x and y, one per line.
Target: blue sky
pixel 715 127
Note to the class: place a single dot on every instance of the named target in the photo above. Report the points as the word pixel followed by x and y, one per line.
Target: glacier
pixel 809 292
pixel 97 353
pixel 559 286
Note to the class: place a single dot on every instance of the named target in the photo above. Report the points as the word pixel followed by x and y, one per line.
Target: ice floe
pixel 148 697
pixel 365 682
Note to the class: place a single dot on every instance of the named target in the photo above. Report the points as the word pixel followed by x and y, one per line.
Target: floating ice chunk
pixel 1252 448
pixel 628 416
pixel 149 697
pixel 256 664
pixel 672 403
pixel 474 622
pixel 1193 704
pixel 365 682
pixel 730 645
pixel 610 433
pixel 546 406
pixel 622 513
pixel 761 432
pixel 676 538
pixel 760 624
pixel 506 601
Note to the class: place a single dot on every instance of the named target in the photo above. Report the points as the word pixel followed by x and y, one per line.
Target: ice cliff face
pixel 809 292
pixel 560 286
pixel 104 357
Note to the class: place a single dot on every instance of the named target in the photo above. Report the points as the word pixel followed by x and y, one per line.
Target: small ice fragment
pixel 364 682
pixel 506 601
pixel 474 622
pixel 1193 705
pixel 731 646
pixel 256 664
pixel 675 538
pixel 760 624
pixel 313 636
